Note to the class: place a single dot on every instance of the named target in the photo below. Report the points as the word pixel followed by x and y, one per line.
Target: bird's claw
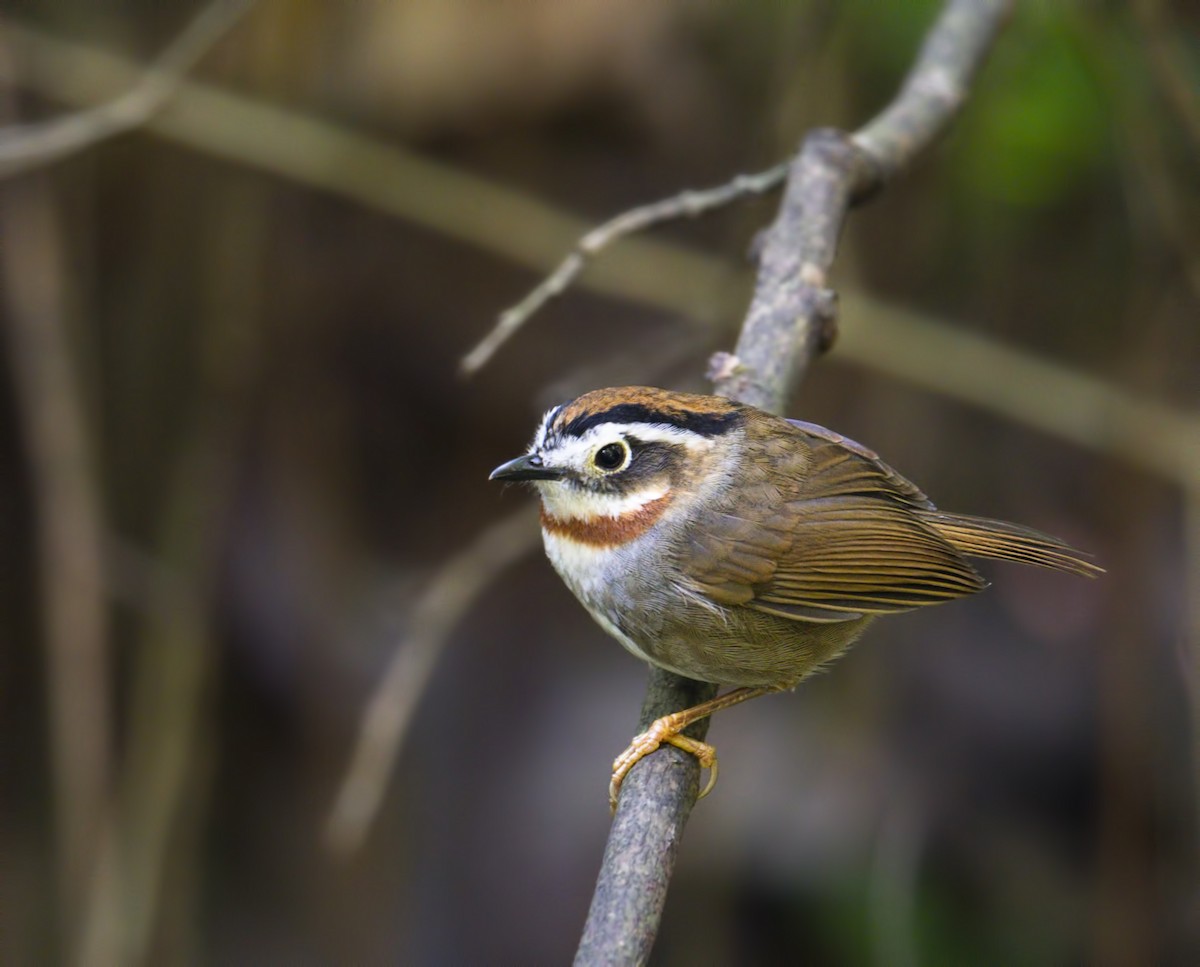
pixel 660 731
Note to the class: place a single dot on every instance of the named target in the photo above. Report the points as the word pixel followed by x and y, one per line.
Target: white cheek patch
pixel 571 503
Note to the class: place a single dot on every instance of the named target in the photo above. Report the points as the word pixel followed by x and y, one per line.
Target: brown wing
pixel 981 537
pixel 842 535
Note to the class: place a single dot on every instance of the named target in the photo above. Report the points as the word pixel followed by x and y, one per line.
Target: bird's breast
pixel 604 558
pixel 602 530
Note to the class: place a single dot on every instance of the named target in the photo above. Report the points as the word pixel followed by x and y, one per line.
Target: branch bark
pixel 790 320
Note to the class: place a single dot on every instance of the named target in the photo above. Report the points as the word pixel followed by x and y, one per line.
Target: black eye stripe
pixel 706 424
pixel 648 458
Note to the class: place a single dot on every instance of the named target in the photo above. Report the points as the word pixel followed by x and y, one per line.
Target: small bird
pixel 726 544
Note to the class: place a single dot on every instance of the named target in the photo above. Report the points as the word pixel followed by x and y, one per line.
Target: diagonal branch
pixel 393 703
pixel 789 322
pixel 25 146
pixel 886 338
pixel 687 204
pixel 44 367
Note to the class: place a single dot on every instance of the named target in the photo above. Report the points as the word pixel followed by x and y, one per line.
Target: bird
pixel 730 545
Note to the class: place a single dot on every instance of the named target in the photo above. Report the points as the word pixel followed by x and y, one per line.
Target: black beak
pixel 528 467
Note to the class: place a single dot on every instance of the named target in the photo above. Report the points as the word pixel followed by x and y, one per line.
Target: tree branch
pixel 386 717
pixel 25 146
pixel 687 204
pixel 1094 413
pixel 789 321
pixel 68 523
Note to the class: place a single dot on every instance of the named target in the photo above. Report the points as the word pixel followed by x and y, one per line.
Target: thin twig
pixel 63 482
pixel 25 146
pixel 384 177
pixel 652 272
pixel 935 88
pixel 687 204
pixel 1165 43
pixel 386 717
pixel 163 785
pixel 1157 184
pixel 973 368
pixel 788 323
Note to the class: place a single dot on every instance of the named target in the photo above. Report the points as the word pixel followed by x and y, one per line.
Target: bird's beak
pixel 528 467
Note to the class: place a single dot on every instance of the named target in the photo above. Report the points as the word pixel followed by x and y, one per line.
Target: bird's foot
pixel 665 729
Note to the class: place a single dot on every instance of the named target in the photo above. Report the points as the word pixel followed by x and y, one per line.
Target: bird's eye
pixel 611 456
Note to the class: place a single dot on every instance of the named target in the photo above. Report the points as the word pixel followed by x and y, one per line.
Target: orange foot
pixel 665 729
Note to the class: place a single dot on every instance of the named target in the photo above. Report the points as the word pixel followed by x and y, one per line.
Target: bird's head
pixel 612 453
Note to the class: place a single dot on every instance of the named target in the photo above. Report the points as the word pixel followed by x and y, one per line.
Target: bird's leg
pixel 667 729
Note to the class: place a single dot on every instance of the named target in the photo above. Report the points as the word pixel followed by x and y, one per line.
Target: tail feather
pixel 981 537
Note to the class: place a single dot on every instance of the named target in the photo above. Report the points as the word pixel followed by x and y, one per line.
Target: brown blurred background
pixel 236 452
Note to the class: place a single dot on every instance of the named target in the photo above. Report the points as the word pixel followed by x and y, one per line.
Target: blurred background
pixel 238 459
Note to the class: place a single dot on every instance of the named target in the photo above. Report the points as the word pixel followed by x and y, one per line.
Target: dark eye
pixel 611 456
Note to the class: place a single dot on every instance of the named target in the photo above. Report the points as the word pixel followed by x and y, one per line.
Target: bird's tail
pixel 981 537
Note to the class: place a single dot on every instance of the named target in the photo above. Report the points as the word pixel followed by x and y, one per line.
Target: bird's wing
pixel 835 534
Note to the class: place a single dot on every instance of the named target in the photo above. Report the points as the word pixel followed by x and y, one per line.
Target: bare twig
pixel 1165 44
pixel 687 204
pixel 68 534
pixel 793 307
pixel 653 272
pixel 68 526
pixel 24 146
pixel 383 177
pixel 163 784
pixel 386 717
pixel 174 665
pixel 1157 184
pixel 1082 409
pixel 789 321
pixel 935 88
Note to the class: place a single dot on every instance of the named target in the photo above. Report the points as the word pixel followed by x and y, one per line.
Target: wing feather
pixel 842 535
pixel 981 537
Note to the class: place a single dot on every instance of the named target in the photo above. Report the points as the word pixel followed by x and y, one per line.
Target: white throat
pixel 572 503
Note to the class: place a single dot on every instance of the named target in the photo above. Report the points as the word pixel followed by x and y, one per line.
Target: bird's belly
pixel 747 647
pixel 606 582
pixel 663 626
